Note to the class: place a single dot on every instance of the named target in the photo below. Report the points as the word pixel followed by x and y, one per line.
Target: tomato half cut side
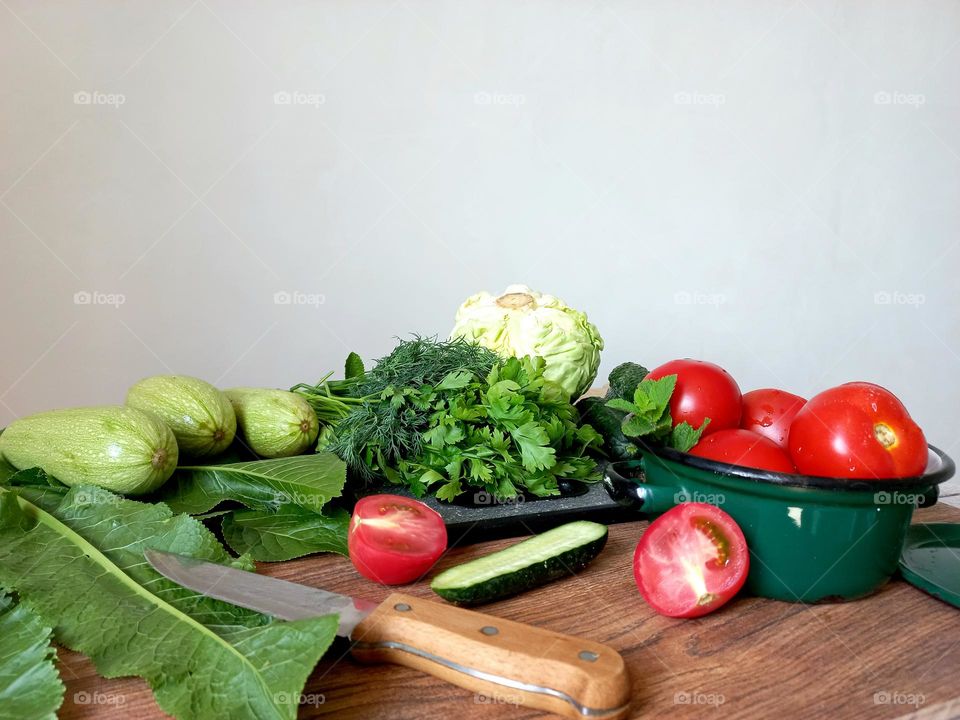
pixel 395 540
pixel 691 560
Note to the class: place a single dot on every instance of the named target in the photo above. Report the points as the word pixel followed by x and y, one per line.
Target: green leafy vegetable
pixel 509 432
pixel 288 533
pixel 30 688
pixel 309 481
pixel 353 367
pixel 648 415
pixel 386 427
pixel 81 568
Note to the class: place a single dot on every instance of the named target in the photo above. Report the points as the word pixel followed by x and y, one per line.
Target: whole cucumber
pixel 200 416
pixel 118 448
pixel 274 423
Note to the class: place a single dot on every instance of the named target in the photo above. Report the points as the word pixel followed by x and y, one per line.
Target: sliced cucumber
pixel 528 564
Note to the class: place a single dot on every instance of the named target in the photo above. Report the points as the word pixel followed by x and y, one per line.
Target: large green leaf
pixel 81 567
pixel 309 481
pixel 30 688
pixel 288 533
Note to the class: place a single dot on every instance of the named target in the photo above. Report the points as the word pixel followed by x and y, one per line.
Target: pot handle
pixel 638 494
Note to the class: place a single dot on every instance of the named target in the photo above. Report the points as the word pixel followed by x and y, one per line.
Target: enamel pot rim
pixel 940 468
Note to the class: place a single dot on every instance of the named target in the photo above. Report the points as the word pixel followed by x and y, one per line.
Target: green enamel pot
pixel 811 539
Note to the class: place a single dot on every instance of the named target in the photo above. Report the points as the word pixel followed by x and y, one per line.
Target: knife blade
pixel 271 596
pixel 514 663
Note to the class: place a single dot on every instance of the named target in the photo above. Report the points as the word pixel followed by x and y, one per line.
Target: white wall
pixel 781 163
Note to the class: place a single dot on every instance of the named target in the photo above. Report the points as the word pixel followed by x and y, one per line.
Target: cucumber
pixel 274 423
pixel 200 416
pixel 118 448
pixel 528 564
pixel 608 422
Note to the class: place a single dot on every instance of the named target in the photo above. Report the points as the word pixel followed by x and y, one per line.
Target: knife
pixel 537 668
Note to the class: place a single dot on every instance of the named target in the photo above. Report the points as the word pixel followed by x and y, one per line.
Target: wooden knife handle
pixel 504 662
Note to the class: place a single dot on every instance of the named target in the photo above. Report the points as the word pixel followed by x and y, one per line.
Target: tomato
pixel 395 540
pixel 857 430
pixel 770 412
pixel 691 560
pixel 703 390
pixel 744 447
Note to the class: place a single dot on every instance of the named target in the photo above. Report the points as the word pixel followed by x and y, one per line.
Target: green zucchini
pixel 200 416
pixel 118 448
pixel 528 564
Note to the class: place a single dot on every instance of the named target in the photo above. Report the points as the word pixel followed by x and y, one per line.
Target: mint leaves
pixel 648 416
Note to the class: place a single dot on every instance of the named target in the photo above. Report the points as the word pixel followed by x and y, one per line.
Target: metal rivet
pixel 489 630
pixel 402 607
pixel 588 656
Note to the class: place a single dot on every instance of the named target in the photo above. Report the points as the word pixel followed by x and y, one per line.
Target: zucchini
pixel 200 416
pixel 118 448
pixel 528 564
pixel 274 423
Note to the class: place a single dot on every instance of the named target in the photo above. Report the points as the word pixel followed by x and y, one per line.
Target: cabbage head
pixel 522 322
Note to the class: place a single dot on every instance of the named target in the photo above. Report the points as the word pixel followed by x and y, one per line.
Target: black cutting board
pixel 476 518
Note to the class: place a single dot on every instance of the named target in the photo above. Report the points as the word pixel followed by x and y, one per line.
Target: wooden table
pixel 889 655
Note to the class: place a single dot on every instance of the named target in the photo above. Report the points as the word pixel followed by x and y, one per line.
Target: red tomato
pixel 744 447
pixel 691 560
pixel 770 412
pixel 395 540
pixel 703 390
pixel 857 430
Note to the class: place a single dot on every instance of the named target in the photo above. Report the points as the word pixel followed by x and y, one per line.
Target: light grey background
pixel 772 186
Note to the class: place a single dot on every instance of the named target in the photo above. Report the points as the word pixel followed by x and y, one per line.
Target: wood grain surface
pixel 892 654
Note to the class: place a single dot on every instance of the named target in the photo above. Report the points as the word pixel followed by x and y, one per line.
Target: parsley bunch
pixel 508 432
pixel 445 416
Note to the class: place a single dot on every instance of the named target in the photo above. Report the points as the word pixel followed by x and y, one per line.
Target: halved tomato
pixel 394 539
pixel 691 560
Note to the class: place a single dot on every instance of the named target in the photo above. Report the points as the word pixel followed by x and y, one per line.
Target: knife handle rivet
pixel 489 630
pixel 588 656
pixel 401 607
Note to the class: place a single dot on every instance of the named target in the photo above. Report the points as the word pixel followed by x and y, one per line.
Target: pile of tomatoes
pixel 855 430
pixel 693 559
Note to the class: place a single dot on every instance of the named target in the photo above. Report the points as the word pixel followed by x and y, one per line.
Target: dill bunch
pixel 386 425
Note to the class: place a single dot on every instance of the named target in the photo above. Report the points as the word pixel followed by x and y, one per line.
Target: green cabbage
pixel 522 322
